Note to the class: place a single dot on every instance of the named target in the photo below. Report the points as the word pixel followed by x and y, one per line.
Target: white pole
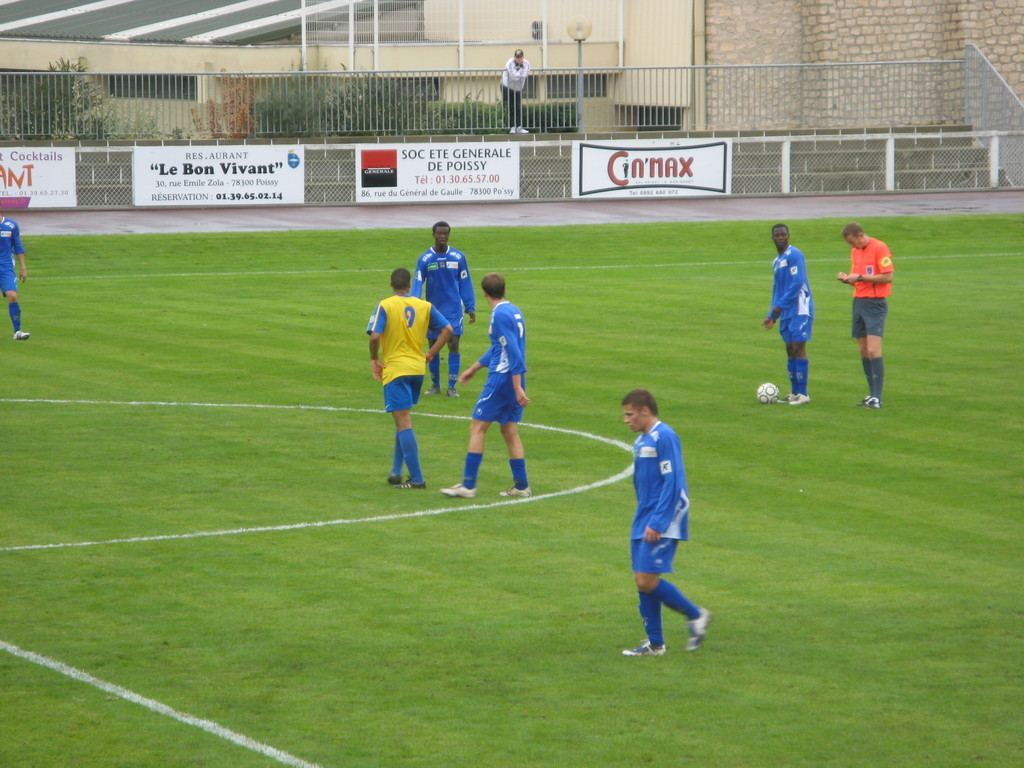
pixel 303 17
pixel 579 86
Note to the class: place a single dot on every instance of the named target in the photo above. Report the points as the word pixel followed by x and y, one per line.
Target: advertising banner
pixel 656 168
pixel 219 175
pixel 432 172
pixel 40 177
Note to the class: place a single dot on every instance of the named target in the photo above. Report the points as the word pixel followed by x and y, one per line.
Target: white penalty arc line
pixel 155 706
pixel 320 523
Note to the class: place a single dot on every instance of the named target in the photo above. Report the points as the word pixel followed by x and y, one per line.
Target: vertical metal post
pixel 890 163
pixel 303 18
pixel 579 86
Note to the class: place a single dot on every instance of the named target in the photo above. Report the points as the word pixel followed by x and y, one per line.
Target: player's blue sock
pixel 793 382
pixel 877 376
pixel 650 612
pixel 802 368
pixel 454 361
pixel 15 309
pixel 411 451
pixel 398 458
pixel 435 371
pixel 473 462
pixel 519 473
pixel 669 594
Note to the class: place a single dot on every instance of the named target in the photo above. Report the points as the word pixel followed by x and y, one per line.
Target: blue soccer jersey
pixel 659 477
pixel 791 291
pixel 443 280
pixel 507 331
pixel 10 244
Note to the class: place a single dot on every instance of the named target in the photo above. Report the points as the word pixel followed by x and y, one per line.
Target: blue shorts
pixel 403 393
pixel 796 328
pixel 457 329
pixel 8 282
pixel 653 558
pixel 498 401
pixel 869 317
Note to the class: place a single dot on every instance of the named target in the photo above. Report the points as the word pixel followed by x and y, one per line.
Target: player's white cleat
pixel 452 392
pixel 646 649
pixel 787 399
pixel 520 492
pixel 799 400
pixel 21 335
pixel 698 630
pixel 434 390
pixel 460 491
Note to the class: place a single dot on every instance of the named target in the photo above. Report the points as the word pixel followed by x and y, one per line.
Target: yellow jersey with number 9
pixel 402 322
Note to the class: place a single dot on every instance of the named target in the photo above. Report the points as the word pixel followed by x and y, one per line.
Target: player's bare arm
pixel 467 374
pixel 376 364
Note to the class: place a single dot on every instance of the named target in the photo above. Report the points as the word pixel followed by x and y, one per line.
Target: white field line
pixel 300 272
pixel 155 706
pixel 320 523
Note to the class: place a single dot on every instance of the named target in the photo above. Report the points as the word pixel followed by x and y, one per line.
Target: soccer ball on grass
pixel 767 394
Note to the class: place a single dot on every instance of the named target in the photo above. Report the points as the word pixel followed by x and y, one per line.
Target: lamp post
pixel 579 29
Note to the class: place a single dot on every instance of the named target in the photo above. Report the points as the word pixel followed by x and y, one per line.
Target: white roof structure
pixel 244 22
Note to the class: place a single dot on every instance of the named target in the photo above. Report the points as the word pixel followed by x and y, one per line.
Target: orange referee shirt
pixel 873 259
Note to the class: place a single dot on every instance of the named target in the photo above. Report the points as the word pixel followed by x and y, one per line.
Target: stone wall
pixel 829 31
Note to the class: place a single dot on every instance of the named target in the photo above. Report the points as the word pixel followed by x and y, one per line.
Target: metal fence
pixel 36 106
pixel 815 163
pixel 991 105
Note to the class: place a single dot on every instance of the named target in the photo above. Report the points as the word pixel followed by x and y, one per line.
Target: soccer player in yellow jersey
pixel 398 330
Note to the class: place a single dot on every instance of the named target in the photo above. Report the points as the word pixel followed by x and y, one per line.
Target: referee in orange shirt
pixel 871 278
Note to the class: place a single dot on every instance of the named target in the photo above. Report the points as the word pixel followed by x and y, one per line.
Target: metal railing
pixel 832 162
pixel 37 106
pixel 991 105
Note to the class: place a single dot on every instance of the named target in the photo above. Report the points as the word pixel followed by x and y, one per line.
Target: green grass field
pixel 195 514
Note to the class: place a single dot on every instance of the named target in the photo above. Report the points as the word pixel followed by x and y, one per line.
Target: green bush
pixel 51 105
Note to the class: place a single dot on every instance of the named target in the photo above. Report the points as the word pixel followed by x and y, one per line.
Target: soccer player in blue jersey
pixel 504 394
pixel 793 308
pixel 11 247
pixel 397 329
pixel 442 278
pixel 660 523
